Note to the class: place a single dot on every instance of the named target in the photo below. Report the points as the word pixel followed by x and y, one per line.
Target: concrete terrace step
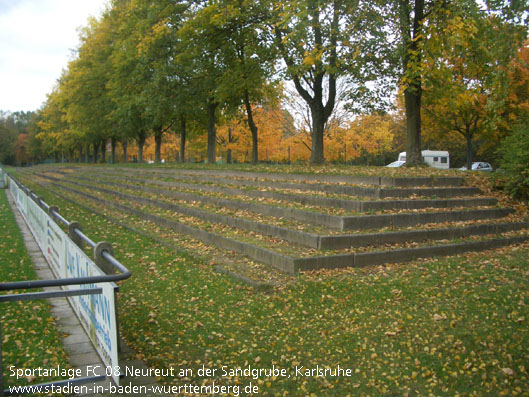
pixel 362 191
pixel 290 264
pixel 333 242
pixel 375 239
pixel 341 223
pixel 448 204
pixel 353 205
pixel 402 254
pixel 434 181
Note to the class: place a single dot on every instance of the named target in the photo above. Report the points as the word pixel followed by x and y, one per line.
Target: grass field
pixel 29 337
pixel 451 326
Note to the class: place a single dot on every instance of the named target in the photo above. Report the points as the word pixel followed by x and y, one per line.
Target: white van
pixel 434 158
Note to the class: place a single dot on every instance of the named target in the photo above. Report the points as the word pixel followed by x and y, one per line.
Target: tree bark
pixel 125 146
pixel 468 136
pixel 104 151
pixel 318 128
pixel 412 99
pixel 142 137
pixel 212 132
pixel 253 129
pixel 228 153
pixel 182 138
pixel 96 152
pixel 158 134
pixel 412 38
pixel 113 150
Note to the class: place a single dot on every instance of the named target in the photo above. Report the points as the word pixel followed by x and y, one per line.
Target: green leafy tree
pixel 247 51
pixel 7 144
pixel 515 161
pixel 418 24
pixel 320 41
pixel 84 89
pixel 201 55
pixel 465 90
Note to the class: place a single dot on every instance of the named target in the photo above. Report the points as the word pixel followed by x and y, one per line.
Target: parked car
pixel 479 166
pixel 395 164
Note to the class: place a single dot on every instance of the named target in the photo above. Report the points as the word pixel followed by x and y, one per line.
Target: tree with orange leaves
pixel 274 126
pixel 517 99
pixel 465 89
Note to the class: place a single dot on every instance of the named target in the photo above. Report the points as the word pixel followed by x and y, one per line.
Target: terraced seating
pixel 296 222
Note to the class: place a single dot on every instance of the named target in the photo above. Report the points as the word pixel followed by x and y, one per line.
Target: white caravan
pixel 434 158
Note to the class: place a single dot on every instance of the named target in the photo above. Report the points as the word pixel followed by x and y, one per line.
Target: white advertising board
pixel 96 313
pixel 37 220
pixel 3 181
pixel 56 248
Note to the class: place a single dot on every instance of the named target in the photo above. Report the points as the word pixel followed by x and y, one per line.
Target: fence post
pixel 99 260
pixel 73 236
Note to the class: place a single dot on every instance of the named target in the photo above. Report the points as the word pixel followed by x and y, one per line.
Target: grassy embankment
pixel 446 326
pixel 29 337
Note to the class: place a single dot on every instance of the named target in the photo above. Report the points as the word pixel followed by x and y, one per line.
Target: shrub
pixel 514 152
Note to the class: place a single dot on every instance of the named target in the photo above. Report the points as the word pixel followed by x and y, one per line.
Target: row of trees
pixel 201 69
pixel 15 129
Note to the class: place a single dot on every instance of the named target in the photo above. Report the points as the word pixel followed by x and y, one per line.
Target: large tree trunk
pixel 182 138
pixel 318 127
pixel 87 153
pixel 212 132
pixel 412 99
pixel 468 136
pixel 113 150
pixel 412 38
pixel 228 153
pixel 253 128
pixel 158 134
pixel 125 146
pixel 96 152
pixel 141 142
pixel 104 151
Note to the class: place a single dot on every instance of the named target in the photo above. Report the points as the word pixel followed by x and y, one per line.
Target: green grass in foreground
pixel 442 327
pixel 29 337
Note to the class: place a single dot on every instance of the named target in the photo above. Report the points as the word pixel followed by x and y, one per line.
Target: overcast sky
pixel 36 41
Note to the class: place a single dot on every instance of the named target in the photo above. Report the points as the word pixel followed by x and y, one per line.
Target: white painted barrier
pixel 96 313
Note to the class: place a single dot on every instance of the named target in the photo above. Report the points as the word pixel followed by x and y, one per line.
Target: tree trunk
pixel 412 38
pixel 158 134
pixel 318 127
pixel 125 146
pixel 253 128
pixel 113 150
pixel 412 99
pixel 104 151
pixel 140 150
pixel 87 153
pixel 182 138
pixel 142 137
pixel 228 153
pixel 468 136
pixel 96 152
pixel 212 132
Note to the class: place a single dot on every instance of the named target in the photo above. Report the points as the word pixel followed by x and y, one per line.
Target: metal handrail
pixel 123 274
